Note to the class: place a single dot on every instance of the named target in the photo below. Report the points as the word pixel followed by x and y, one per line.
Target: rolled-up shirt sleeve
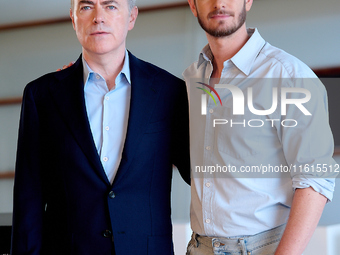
pixel 323 186
pixel 309 146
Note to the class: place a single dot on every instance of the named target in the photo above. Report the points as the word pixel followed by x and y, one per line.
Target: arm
pixel 304 216
pixel 28 201
pixel 308 146
pixel 180 146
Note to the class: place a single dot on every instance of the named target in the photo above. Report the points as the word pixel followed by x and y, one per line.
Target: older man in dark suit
pixel 96 146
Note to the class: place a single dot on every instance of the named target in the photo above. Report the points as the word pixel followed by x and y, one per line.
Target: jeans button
pixel 217 244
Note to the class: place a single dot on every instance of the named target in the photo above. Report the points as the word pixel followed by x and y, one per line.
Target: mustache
pixel 220 12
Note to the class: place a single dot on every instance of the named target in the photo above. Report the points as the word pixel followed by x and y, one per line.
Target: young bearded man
pixel 233 212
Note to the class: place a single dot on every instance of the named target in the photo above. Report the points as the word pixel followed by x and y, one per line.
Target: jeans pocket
pixel 190 246
pixel 268 249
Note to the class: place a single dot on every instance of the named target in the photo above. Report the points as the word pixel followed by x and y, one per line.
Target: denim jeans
pixel 264 243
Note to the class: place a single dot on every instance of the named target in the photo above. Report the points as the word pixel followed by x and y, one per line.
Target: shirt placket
pixel 208 182
pixel 105 157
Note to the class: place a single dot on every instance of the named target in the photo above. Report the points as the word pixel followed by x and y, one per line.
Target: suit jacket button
pixel 112 194
pixel 107 233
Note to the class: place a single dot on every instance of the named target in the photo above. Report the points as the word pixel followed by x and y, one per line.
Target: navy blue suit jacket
pixel 63 201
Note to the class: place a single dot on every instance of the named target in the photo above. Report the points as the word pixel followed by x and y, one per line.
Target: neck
pixel 224 48
pixel 107 65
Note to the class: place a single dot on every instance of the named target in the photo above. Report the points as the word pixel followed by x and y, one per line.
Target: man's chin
pixel 98 50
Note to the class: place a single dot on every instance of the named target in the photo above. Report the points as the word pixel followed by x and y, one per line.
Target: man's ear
pixel 249 3
pixel 133 17
pixel 193 7
pixel 72 18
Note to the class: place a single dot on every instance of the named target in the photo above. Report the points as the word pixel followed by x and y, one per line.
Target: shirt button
pixel 208 148
pixel 107 98
pixel 207 221
pixel 105 159
pixel 211 110
pixel 97 77
pixel 107 128
pixel 207 184
pixel 112 194
pixel 217 244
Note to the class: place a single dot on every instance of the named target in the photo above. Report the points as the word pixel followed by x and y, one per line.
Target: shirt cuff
pixel 321 185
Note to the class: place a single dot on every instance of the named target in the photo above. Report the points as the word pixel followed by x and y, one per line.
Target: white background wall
pixel 308 29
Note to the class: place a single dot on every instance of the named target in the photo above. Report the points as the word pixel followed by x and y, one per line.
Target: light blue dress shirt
pixel 227 204
pixel 108 113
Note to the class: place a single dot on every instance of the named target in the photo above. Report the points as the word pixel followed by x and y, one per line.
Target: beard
pixel 223 31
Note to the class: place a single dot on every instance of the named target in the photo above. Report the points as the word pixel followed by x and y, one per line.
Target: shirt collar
pixel 125 70
pixel 205 55
pixel 245 57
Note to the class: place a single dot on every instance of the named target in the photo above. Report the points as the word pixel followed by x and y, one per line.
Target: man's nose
pixel 220 4
pixel 98 16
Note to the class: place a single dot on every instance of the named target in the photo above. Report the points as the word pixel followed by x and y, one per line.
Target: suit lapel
pixel 144 95
pixel 68 94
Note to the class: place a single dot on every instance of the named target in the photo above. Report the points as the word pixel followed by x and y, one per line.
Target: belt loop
pixel 242 243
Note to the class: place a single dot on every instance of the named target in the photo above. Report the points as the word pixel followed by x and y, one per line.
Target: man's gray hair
pixel 132 3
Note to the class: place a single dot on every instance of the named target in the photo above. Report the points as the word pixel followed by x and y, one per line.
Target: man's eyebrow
pixel 92 3
pixel 109 2
pixel 86 2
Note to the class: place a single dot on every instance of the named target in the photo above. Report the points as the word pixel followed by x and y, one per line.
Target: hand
pixel 66 66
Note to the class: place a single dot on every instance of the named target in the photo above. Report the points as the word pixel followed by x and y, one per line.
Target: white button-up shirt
pixel 108 113
pixel 233 203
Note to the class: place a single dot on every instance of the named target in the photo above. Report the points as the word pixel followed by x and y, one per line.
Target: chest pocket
pixel 240 136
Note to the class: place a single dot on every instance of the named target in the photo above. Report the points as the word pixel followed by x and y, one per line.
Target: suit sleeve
pixel 181 142
pixel 28 202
